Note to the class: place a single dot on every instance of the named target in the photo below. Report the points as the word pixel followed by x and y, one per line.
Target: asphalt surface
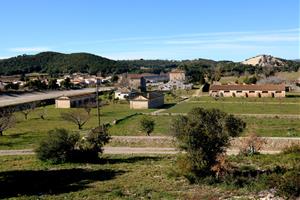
pixel 15 99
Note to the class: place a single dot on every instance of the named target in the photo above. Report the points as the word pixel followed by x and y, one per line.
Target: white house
pixel 124 93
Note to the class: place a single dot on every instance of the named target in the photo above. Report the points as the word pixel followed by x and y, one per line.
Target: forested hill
pixel 53 62
pixel 57 63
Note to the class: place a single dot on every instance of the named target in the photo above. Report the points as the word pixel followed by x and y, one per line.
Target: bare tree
pixel 7 120
pixel 27 108
pixel 88 107
pixel 78 117
pixel 42 113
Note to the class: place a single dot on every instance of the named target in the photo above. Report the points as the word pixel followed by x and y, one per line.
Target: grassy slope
pixel 27 133
pixel 123 177
pixel 239 107
pixel 274 127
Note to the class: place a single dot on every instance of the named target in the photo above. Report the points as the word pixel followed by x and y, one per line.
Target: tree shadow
pixel 108 160
pixel 168 105
pixel 30 182
pixel 128 160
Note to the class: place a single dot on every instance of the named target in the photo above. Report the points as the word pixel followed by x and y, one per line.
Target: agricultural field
pixel 268 127
pixel 134 177
pixel 241 106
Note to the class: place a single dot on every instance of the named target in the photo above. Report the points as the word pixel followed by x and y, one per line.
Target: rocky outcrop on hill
pixel 264 61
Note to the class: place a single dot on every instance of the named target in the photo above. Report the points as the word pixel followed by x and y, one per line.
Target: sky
pixel 152 29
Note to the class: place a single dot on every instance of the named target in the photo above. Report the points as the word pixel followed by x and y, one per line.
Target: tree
pixel 88 107
pixel 26 109
pixel 7 120
pixel 78 117
pixel 147 125
pixel 204 135
pixel 42 113
pixel 53 84
pixel 66 83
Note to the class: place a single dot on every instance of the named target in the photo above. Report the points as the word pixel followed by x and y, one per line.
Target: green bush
pixel 147 125
pixel 91 145
pixel 58 146
pixel 61 146
pixel 204 135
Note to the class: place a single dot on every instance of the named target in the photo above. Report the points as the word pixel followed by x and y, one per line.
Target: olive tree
pixel 147 125
pixel 204 134
pixel 7 120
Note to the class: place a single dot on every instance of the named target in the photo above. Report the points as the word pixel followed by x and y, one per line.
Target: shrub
pixel 251 145
pixel 61 146
pixel 58 146
pixel 204 135
pixel 92 144
pixel 147 125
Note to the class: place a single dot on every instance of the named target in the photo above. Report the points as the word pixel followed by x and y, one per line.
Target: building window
pixel 251 91
pixel 239 91
pixel 278 91
pixel 264 91
pixel 226 91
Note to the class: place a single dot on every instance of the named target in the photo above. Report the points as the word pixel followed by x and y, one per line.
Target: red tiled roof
pixel 265 87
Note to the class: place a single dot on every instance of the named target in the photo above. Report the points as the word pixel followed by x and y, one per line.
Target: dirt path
pixel 124 150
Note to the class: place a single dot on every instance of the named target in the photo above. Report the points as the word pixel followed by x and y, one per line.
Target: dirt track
pixel 123 150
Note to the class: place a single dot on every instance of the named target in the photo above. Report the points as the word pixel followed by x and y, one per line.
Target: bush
pixel 251 145
pixel 91 145
pixel 58 146
pixel 61 146
pixel 147 125
pixel 204 135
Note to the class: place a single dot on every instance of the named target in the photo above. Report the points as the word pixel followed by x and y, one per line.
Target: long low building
pixel 75 101
pixel 265 90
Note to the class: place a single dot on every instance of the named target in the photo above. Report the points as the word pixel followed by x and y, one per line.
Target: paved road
pixel 125 150
pixel 14 99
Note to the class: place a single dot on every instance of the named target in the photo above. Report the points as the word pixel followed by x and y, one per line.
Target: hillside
pixel 53 62
pixel 264 61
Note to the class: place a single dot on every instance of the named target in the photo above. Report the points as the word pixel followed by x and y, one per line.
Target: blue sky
pixel 152 29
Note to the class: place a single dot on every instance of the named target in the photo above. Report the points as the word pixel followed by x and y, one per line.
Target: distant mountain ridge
pixel 264 61
pixel 60 63
pixel 54 62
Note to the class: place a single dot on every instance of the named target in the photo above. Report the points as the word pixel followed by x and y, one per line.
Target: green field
pixel 273 127
pixel 286 100
pixel 28 133
pixel 239 107
pixel 126 177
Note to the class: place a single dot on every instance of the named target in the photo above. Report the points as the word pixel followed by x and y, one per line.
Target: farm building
pixel 147 100
pixel 266 90
pixel 75 101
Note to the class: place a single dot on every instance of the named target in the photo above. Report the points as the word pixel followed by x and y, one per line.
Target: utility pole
pixel 97 100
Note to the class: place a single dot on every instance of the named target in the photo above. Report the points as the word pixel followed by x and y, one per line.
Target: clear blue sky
pixel 156 29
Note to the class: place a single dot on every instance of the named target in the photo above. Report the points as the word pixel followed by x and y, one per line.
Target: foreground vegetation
pixel 128 177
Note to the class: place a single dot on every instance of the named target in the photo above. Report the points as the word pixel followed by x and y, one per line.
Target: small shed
pixel 147 100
